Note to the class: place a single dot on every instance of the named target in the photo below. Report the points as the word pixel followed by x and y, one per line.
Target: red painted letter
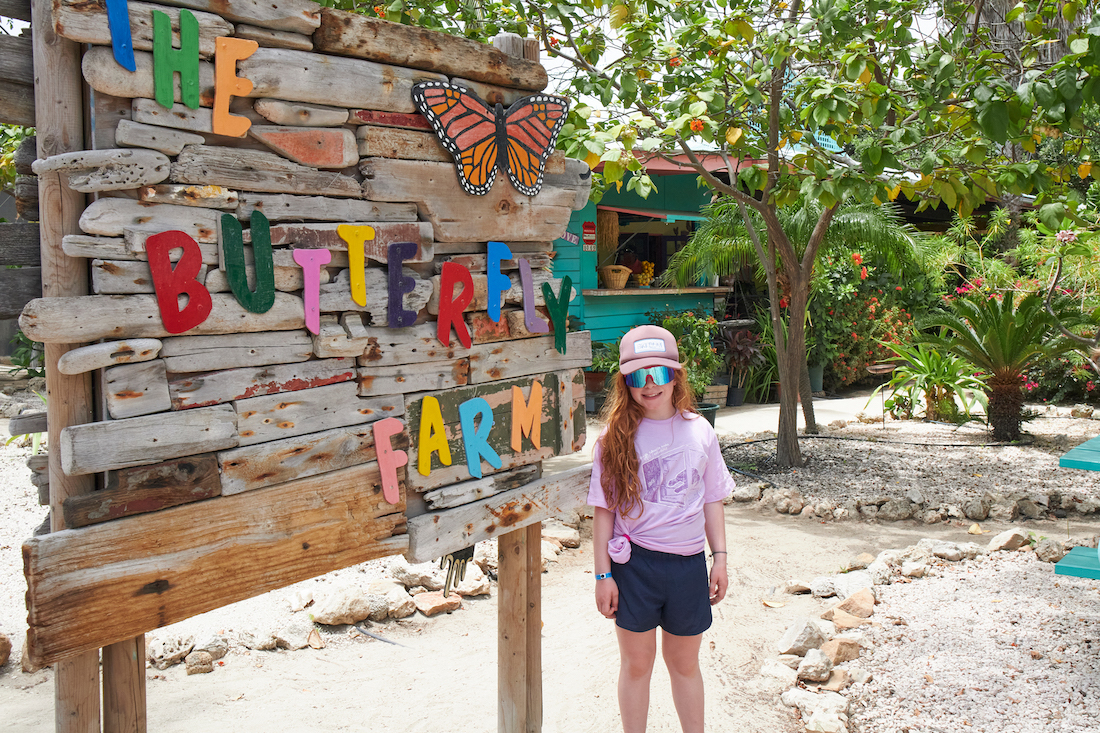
pixel 450 307
pixel 170 282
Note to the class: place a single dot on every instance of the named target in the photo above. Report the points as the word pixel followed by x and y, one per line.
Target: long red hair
pixel 619 460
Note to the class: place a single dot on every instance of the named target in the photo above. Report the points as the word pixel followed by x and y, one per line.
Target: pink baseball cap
pixel 647 346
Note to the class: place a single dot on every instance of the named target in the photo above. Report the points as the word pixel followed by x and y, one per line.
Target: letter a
pixel 169 283
pixel 432 437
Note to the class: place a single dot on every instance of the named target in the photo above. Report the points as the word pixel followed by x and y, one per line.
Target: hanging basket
pixel 615 276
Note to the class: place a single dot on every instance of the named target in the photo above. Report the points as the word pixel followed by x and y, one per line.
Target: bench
pixel 1081 562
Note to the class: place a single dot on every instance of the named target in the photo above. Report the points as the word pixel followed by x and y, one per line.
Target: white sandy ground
pixel 444 675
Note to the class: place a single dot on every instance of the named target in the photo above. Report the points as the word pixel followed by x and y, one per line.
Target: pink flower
pixel 1066 236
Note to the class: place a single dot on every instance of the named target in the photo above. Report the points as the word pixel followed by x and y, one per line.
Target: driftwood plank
pixel 352 34
pixel 477 262
pixel 238 384
pixel 121 277
pixel 297 16
pixel 205 197
pixel 108 111
pixel 425 377
pixel 491 93
pixel 435 534
pixel 278 461
pixel 279 112
pixel 179 117
pixel 326 236
pixel 85 319
pixel 16 59
pixel 79 20
pixel 131 390
pixel 28 423
pixel 17 107
pixel 309 411
pixel 468 491
pixel 17 288
pixel 18 9
pixel 165 139
pixel 491 362
pixel 254 170
pixel 320 208
pixel 111 217
pixel 235 547
pixel 140 441
pixel 503 214
pixel 499 398
pixel 89 171
pixel 298 76
pixel 108 353
pixel 21 245
pixel 318 147
pixel 116 248
pixel 103 74
pixel 412 121
pixel 274 39
pixel 287 279
pixel 184 354
pixel 146 489
pixel 394 142
pixel 413 345
pixel 335 297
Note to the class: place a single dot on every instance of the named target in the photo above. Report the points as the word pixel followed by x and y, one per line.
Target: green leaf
pixel 993 119
pixel 1051 215
pixel 1015 13
pixel 618 15
pixel 697 109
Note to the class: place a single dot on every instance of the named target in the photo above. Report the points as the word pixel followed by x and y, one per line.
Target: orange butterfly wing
pixel 467 129
pixel 532 125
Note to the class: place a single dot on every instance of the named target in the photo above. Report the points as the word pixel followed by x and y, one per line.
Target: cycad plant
pixel 1002 337
pixel 925 374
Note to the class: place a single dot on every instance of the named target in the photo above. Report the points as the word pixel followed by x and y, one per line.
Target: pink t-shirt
pixel 681 469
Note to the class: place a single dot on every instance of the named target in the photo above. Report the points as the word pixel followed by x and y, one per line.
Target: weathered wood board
pixel 103 74
pixel 279 112
pixel 86 22
pixel 206 197
pixel 319 208
pixel 139 441
pixel 165 139
pixel 234 547
pixel 493 362
pixel 108 353
pixel 470 491
pixel 277 416
pixel 136 389
pixel 274 39
pixel 254 170
pixel 27 423
pixel 438 533
pixel 146 488
pixel 17 288
pixel 111 217
pixel 424 377
pixel 215 388
pixel 186 354
pixel 90 318
pixel 326 236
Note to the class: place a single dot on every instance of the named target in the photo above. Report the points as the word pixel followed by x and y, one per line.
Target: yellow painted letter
pixel 356 237
pixel 433 436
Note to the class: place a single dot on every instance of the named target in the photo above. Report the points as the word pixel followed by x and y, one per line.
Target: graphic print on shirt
pixel 666 481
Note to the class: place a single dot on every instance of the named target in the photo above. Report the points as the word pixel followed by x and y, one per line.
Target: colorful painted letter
pixel 559 310
pixel 122 40
pixel 184 59
pixel 263 297
pixel 527 417
pixel 228 51
pixel 356 237
pixel 389 460
pixel 475 438
pixel 498 283
pixel 400 284
pixel 433 437
pixel 531 320
pixel 169 283
pixel 450 307
pixel 311 261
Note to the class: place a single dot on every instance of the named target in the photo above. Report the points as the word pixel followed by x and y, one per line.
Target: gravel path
pixel 998 644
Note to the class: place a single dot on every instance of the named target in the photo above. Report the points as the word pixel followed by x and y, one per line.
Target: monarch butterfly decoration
pixel 481 138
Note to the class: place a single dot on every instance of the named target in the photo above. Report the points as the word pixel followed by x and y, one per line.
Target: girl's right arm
pixel 607 592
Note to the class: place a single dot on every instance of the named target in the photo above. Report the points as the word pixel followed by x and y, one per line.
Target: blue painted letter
pixel 497 282
pixel 122 40
pixel 476 439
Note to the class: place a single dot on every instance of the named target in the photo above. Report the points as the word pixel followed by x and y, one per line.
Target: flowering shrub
pixel 694 337
pixel 869 327
pixel 1066 378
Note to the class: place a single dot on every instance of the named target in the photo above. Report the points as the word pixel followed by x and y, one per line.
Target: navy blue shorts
pixel 662 589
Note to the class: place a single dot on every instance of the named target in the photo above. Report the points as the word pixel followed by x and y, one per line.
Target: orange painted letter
pixel 526 417
pixel 227 52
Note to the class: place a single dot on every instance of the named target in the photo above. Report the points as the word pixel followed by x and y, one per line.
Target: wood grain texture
pixel 297 16
pixel 318 147
pixel 205 197
pixel 321 208
pixel 103 74
pixel 215 388
pixel 17 59
pixel 28 422
pixel 184 354
pixel 352 34
pixel 147 489
pixel 86 22
pixel 17 288
pixel 279 112
pixel 425 377
pixel 466 492
pixel 434 534
pixel 512 635
pixel 131 390
pixel 21 244
pixel 393 142
pixel 274 39
pixel 326 236
pixel 154 137
pixel 140 441
pixel 108 353
pixel 94 317
pixel 508 360
pixel 17 105
pixel 111 217
pixel 272 417
pixel 254 170
pixel 183 561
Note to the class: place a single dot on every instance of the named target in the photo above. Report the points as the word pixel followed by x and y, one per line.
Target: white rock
pixel 476 583
pixel 300 598
pixel 942 549
pixel 827 723
pixel 848 583
pixel 399 603
pixel 550 550
pixel 880 572
pixel 815 666
pixel 263 641
pixel 859 675
pixel 162 653
pixel 913 569
pixel 809 703
pixel 567 536
pixel 294 635
pixel 828 628
pixel 485 555
pixel 1010 539
pixel 800 637
pixel 775 668
pixel 216 645
pixel 822 586
pixel 348 604
pixel 425 574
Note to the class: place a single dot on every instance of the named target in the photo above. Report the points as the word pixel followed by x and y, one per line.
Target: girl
pixel 658 481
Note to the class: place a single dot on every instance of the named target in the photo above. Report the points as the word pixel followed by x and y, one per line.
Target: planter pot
pixel 817 377
pixel 735 397
pixel 707 410
pixel 595 381
pixel 716 393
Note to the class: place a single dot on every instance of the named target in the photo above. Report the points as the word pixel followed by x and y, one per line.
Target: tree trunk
pixel 1006 401
pixel 807 397
pixel 791 353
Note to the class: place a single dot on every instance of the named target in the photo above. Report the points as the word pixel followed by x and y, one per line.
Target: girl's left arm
pixel 714 522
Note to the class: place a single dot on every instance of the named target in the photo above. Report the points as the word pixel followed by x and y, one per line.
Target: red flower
pixel 857 258
pixel 674 61
pixel 898 288
pixel 696 125
pixel 553 41
pixel 863 273
pixel 783 302
pixel 380 11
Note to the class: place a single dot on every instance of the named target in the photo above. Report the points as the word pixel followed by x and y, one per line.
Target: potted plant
pixel 694 336
pixel 743 351
pixel 605 361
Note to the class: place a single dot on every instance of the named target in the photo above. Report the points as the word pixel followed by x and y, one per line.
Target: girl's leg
pixel 681 655
pixel 637 650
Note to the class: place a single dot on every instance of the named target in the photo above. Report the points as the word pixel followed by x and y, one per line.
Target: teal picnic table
pixel 1081 562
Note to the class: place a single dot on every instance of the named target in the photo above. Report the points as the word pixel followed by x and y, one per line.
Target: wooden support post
pixel 60 129
pixel 519 630
pixel 124 686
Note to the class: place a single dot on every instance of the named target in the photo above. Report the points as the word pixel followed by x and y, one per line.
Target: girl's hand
pixel 607 597
pixel 719 580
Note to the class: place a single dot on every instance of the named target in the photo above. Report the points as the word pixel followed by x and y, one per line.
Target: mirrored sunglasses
pixel 661 375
